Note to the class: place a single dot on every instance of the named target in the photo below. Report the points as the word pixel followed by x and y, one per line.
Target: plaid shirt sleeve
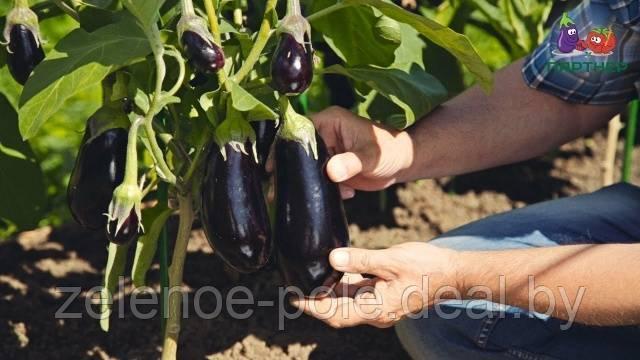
pixel 588 75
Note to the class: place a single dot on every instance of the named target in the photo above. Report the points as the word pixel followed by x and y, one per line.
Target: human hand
pixel 408 278
pixel 366 156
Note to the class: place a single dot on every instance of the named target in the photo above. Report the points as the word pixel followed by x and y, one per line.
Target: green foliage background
pixel 502 31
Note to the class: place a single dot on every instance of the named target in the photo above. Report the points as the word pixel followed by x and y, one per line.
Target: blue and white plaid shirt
pixel 584 76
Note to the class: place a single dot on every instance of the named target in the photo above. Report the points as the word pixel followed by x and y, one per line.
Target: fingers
pixel 343 167
pixel 362 261
pixel 346 192
pixel 362 306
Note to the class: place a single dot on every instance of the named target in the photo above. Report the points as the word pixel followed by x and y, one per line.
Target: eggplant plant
pixel 195 96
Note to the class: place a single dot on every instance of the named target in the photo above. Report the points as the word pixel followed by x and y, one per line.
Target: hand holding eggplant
pixel 397 288
pixel 367 156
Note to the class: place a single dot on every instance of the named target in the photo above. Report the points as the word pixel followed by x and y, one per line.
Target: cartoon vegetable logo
pixel 601 40
pixel 568 34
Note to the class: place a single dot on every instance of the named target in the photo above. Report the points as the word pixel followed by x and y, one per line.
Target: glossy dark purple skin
pixel 234 212
pixel 99 169
pixel 24 53
pixel 291 67
pixel 203 55
pixel 265 135
pixel 310 219
pixel 128 232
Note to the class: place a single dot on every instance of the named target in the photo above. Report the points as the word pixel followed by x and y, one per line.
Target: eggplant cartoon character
pixel 568 34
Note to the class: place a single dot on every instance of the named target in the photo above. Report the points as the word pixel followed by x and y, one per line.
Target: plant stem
pixel 187 8
pixel 293 7
pixel 131 166
pixel 237 13
pixel 632 125
pixel 181 71
pixel 21 3
pixel 261 41
pixel 175 278
pixel 326 11
pixel 161 69
pixel 65 8
pixel 200 148
pixel 164 259
pixel 215 31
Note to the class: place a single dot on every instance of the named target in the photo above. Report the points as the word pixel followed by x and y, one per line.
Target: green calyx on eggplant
pixel 292 63
pixel 24 46
pixel 124 215
pixel 234 212
pixel 310 220
pixel 203 53
pixel 236 132
pixel 99 167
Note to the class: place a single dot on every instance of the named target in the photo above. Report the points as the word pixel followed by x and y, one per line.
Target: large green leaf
pixel 457 44
pixel 80 61
pixel 359 36
pixel 147 11
pixel 245 102
pixel 415 92
pixel 22 190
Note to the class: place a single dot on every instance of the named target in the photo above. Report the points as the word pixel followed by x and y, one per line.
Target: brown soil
pixel 39 262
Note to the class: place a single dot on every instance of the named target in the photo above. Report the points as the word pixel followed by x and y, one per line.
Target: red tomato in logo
pixel 601 41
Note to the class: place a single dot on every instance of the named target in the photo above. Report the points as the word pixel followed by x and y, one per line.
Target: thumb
pixel 342 167
pixel 361 261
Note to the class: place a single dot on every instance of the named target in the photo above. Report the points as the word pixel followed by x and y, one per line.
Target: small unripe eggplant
pixel 310 219
pixel 292 66
pixel 265 135
pixel 234 213
pixel 24 54
pixel 128 231
pixel 203 54
pixel 99 169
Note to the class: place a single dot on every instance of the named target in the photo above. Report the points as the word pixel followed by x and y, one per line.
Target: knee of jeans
pixel 429 338
pixel 485 243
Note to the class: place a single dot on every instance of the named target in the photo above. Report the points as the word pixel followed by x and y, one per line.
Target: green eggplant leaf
pixel 22 189
pixel 147 12
pixel 245 102
pixel 414 91
pixel 80 61
pixel 457 44
pixel 359 36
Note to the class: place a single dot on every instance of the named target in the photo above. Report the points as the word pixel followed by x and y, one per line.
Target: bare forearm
pixel 591 284
pixel 476 131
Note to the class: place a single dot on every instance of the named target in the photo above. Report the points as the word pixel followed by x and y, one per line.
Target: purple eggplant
pixel 25 53
pixel 265 134
pixel 310 218
pixel 203 54
pixel 568 38
pixel 292 66
pixel 128 231
pixel 234 213
pixel 98 170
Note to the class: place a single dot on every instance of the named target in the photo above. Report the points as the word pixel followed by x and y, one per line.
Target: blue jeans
pixel 611 215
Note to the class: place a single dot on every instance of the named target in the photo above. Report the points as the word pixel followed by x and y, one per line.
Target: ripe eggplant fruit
pixel 98 170
pixel 292 66
pixel 128 232
pixel 234 213
pixel 310 219
pixel 265 135
pixel 204 55
pixel 24 53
